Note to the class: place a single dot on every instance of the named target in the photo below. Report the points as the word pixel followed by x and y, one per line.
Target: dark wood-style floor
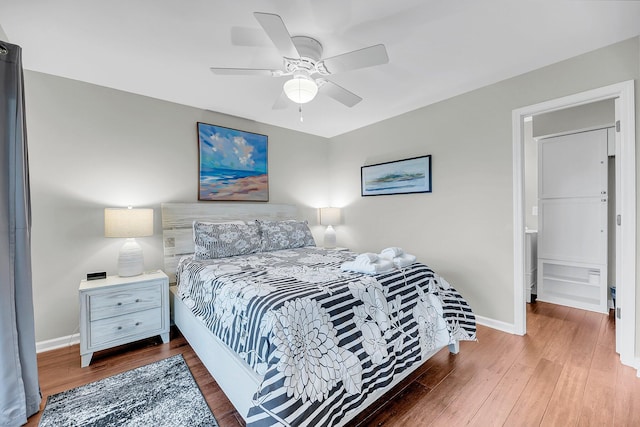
pixel 564 372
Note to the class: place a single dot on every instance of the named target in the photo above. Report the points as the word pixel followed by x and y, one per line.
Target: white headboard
pixel 177 223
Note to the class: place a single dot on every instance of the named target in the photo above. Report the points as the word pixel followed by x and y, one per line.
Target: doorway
pixel 623 94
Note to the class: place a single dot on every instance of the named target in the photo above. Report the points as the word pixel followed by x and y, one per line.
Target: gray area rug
pixel 163 393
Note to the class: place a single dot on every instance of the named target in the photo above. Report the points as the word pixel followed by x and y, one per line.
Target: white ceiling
pixel 437 48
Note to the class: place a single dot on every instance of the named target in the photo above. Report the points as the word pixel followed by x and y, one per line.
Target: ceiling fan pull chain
pixel 300 110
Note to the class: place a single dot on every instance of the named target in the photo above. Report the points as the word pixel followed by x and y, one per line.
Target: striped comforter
pixel 321 339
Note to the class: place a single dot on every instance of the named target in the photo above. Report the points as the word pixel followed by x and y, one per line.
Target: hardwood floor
pixel 564 372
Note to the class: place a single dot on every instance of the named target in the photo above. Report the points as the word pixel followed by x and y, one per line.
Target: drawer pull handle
pixel 138 300
pixel 137 323
pixel 119 303
pixel 119 327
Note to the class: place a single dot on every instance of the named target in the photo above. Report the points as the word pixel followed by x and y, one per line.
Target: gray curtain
pixel 19 389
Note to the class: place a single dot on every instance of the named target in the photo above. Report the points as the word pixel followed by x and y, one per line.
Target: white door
pixel 573 165
pixel 573 229
pixel 618 179
pixel 572 234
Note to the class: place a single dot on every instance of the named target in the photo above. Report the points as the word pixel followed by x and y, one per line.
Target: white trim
pixel 55 343
pixel 627 298
pixel 495 324
pixel 572 131
pixel 519 308
pixel 626 287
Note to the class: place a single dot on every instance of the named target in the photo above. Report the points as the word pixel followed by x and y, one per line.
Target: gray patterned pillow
pixel 224 240
pixel 278 235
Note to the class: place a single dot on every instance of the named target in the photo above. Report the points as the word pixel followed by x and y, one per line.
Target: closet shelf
pixel 563 298
pixel 570 279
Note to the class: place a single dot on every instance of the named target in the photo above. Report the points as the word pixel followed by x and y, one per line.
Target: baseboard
pixel 55 343
pixel 496 324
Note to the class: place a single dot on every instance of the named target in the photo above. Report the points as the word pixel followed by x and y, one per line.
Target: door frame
pixel 626 283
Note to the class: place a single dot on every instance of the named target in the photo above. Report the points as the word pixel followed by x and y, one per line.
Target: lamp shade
pixel 329 216
pixel 300 89
pixel 123 222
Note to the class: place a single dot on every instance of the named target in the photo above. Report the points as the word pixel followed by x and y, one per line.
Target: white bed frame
pixel 238 381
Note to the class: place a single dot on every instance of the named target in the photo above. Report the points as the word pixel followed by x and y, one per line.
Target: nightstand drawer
pixel 125 301
pixel 115 328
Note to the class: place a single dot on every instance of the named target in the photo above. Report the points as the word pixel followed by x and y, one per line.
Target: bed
pixel 291 337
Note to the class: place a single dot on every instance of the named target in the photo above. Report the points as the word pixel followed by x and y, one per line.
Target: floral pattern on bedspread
pixel 322 339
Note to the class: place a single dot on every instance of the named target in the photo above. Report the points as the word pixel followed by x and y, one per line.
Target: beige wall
pixel 464 229
pixel 582 117
pixel 91 147
pixel 3 35
pixel 530 177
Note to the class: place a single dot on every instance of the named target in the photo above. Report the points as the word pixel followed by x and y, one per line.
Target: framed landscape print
pixel 232 164
pixel 398 177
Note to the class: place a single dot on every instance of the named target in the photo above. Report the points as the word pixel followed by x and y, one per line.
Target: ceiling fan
pixel 302 60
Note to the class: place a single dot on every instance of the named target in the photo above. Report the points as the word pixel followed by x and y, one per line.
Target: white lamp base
pixel 130 259
pixel 330 238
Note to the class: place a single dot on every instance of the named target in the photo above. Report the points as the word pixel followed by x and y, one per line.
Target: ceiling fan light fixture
pixel 300 89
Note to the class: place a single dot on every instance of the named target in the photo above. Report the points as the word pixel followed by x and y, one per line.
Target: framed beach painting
pixel 232 164
pixel 397 177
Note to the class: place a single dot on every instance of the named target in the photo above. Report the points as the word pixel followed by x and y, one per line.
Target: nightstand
pixel 119 310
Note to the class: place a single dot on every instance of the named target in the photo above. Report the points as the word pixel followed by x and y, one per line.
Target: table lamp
pixel 329 217
pixel 129 223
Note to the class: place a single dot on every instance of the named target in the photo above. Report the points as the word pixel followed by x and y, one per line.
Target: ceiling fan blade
pixel 366 57
pixel 253 37
pixel 245 72
pixel 278 33
pixel 282 102
pixel 338 93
